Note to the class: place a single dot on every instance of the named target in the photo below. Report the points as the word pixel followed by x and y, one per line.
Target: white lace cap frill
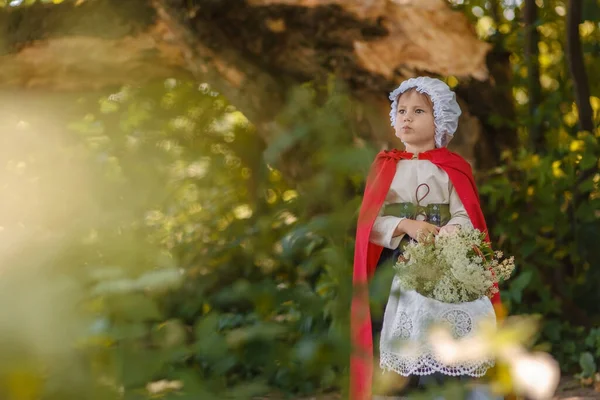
pixel 405 347
pixel 445 107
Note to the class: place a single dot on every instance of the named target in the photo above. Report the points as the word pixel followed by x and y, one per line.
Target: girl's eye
pixel 420 111
pixel 400 111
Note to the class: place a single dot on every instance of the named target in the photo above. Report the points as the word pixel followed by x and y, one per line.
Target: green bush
pixel 545 210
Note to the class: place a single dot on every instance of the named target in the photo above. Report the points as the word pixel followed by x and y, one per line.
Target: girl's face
pixel 414 122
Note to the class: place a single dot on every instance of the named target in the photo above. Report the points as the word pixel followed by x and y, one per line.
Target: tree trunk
pixel 577 66
pixel 252 51
pixel 492 105
pixel 532 38
pixel 491 101
pixel 582 90
pixel 95 45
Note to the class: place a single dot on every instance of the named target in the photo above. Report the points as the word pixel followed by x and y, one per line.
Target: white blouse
pixel 409 175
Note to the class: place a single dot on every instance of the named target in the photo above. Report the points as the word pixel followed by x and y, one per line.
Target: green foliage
pixel 544 207
pixel 196 262
pixel 545 214
pixel 587 364
pixel 188 257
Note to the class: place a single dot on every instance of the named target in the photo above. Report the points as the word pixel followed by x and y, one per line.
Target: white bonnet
pixel 445 108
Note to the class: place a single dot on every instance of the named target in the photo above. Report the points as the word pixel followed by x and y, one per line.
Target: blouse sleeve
pixel 383 229
pixel 458 213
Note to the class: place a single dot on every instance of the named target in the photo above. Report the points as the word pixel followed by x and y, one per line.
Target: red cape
pixel 366 254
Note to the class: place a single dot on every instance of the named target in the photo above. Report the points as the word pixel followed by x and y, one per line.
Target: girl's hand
pixel 449 229
pixel 418 230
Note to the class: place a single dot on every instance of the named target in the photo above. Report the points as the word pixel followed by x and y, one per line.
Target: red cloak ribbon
pixel 366 254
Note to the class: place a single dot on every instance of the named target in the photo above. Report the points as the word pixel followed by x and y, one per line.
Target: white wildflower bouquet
pixel 453 268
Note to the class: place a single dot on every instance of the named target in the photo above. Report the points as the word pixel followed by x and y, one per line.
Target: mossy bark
pixel 254 52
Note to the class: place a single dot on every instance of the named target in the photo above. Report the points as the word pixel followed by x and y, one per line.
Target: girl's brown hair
pixel 425 96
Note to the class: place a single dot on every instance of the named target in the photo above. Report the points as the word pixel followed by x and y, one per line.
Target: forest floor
pixel 568 389
pixel 571 389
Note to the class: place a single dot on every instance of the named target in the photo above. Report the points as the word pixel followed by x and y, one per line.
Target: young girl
pixel 423 190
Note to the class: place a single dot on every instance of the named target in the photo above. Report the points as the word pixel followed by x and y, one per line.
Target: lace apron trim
pixel 404 346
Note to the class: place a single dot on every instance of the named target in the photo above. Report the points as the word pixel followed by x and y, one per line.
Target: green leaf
pixel 108 106
pixel 210 343
pixel 134 307
pixel 260 332
pixel 588 161
pixel 126 331
pixel 552 329
pixel 587 364
pixel 138 366
pixel 587 185
pixel 248 390
pixel 528 248
pixel 519 284
pixel 591 11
